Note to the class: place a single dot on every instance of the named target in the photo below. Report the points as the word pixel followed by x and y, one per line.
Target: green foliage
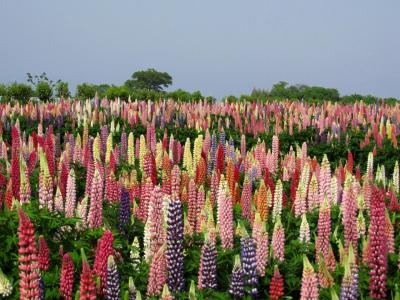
pixel 44 91
pixel 231 99
pixel 197 96
pixel 3 90
pixel 283 90
pixel 185 96
pixel 42 85
pixel 20 92
pixel 259 93
pixel 180 95
pixel 86 90
pixel 313 94
pixel 102 89
pixel 117 92
pixel 3 93
pixel 62 89
pixel 149 79
pixel 144 94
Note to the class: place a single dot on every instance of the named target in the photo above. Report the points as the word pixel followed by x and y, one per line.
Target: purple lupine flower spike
pixel 236 286
pixel 112 285
pixel 124 211
pixel 249 264
pixel 174 253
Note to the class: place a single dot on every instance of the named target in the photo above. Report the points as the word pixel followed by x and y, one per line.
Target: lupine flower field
pixel 106 199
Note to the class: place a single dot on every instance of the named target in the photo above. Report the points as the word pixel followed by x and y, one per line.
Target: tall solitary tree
pixel 149 79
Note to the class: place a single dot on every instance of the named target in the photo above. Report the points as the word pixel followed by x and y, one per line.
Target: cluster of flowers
pixel 203 174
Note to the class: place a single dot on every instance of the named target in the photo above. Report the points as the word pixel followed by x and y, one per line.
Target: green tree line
pixel 150 84
pixel 282 90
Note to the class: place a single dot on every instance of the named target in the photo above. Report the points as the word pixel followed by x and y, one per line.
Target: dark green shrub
pixel 62 89
pixel 117 91
pixel 44 91
pixel 85 90
pixel 20 91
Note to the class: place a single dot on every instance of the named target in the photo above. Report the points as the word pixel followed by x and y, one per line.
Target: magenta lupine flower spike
pixel 147 187
pixel 43 254
pixel 87 286
pixel 89 175
pixel 15 165
pixel 309 282
pixel 260 236
pixel 157 274
pixel 389 231
pixel 324 230
pixel 67 277
pixel 156 222
pixel 192 204
pixel 278 241
pixel 377 247
pixel 276 287
pixel 245 200
pixel 349 206
pixel 225 215
pixel 70 201
pixel 28 260
pixel 96 202
pixel 275 154
pixel 103 251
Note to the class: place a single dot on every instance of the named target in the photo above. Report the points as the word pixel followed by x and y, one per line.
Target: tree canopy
pixel 299 91
pixel 149 79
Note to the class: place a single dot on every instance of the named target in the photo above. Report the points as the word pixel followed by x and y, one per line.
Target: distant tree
pixel 357 97
pixel 259 94
pixel 279 90
pixel 117 92
pixel 180 95
pixel 3 89
pixel 62 89
pixel 102 89
pixel 44 91
pixel 391 100
pixel 197 96
pixel 36 79
pixel 4 96
pixel 149 79
pixel 20 92
pixel 210 99
pixel 86 90
pixel 231 99
pixel 42 85
pixel 321 93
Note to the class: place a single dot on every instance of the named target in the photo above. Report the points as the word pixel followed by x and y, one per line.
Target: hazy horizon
pixel 217 47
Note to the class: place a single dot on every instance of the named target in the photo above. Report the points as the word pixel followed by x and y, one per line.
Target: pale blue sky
pixel 219 47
